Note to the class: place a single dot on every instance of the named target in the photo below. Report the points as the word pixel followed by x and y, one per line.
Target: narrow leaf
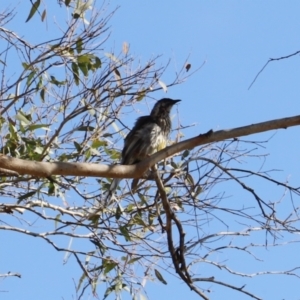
pixel 98 143
pixel 44 15
pixel 75 73
pixel 159 277
pixel 109 265
pixel 25 65
pixel 163 85
pixel 42 94
pixel 81 279
pixel 57 218
pixel 33 10
pixel 118 77
pixel 85 128
pixel 97 63
pixel 84 58
pixel 125 233
pixel 83 68
pixel 141 96
pixel 20 117
pixel 125 48
pixel 133 260
pixel 30 77
pixel 25 196
pixel 190 180
pixel 77 146
pixel 108 291
pixel 38 126
pixel 79 44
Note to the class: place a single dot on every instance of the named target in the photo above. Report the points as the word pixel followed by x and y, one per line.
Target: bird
pixel 148 135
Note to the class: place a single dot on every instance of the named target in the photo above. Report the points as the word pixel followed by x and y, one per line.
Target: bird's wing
pixel 140 141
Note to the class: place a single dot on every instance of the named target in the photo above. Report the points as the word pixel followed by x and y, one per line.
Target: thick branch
pixel 45 169
pixel 219 136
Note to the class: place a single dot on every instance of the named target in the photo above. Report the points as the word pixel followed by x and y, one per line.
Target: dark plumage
pixel 149 135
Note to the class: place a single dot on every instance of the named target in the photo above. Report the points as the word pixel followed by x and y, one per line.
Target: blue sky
pixel 234 39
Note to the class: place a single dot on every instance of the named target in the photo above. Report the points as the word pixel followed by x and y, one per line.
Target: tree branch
pixel 45 169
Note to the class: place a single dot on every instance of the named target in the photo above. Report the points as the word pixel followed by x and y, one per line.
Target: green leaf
pixel 185 154
pixel 21 117
pixel 44 15
pixel 25 196
pixel 38 126
pixel 81 279
pixel 199 190
pixel 97 63
pixel 79 44
pixel 133 260
pixel 40 83
pixel 57 82
pixel 190 180
pixel 85 63
pixel 88 153
pixel 57 218
pixel 84 128
pixel 51 189
pixel 141 96
pixel 108 291
pixel 98 143
pixel 143 199
pixel 33 10
pixel 77 146
pixel 84 58
pixel 108 266
pixel 94 219
pixel 25 65
pixel 115 155
pixel 75 73
pixel 137 219
pixel 30 77
pixel 12 131
pixel 118 212
pixel 151 218
pixel 125 233
pixel 42 94
pixel 159 277
pixel 84 68
pixel 174 165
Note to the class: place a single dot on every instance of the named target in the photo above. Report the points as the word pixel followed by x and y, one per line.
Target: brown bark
pixel 45 169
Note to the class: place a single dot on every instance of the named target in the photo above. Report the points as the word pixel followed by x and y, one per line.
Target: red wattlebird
pixel 149 135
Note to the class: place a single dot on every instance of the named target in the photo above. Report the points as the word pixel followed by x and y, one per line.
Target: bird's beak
pixel 175 101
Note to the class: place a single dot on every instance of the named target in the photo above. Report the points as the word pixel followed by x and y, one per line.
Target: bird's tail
pixel 134 185
pixel 111 191
pixel 114 185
